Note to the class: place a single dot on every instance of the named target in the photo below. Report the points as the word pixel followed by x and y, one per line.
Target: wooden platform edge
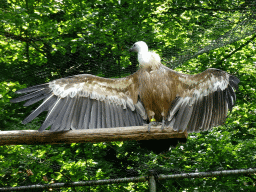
pixel 33 137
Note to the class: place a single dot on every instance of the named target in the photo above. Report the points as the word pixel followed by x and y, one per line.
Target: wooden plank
pixel 33 137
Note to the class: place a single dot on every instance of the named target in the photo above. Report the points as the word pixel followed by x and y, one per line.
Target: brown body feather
pixel 156 92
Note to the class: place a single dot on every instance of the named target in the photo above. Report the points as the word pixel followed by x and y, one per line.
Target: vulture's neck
pixel 149 59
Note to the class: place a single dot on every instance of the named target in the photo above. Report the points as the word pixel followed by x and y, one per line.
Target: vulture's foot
pixel 153 123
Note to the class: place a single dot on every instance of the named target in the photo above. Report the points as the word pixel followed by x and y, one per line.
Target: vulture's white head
pixel 139 47
pixel 146 58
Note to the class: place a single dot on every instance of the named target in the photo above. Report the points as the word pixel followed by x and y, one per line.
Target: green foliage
pixel 45 40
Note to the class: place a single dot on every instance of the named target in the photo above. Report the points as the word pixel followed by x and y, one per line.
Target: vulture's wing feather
pixel 202 100
pixel 86 101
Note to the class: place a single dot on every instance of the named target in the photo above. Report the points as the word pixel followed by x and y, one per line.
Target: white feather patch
pixel 95 90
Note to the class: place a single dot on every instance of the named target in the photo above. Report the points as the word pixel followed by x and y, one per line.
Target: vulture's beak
pixel 130 50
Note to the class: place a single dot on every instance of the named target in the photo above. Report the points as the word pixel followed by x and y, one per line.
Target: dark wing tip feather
pixel 233 78
pixel 231 95
pixel 31 89
pixel 43 107
pixel 234 81
pixel 34 92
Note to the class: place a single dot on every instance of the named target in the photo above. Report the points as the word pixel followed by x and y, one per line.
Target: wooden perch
pixel 33 137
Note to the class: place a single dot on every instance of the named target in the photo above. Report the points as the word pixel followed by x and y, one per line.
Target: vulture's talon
pixel 149 127
pixel 163 122
pixel 162 127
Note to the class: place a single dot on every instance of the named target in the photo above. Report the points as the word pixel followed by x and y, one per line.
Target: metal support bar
pixel 207 174
pixel 152 183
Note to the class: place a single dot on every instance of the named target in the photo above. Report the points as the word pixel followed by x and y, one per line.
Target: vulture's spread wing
pixel 202 100
pixel 86 101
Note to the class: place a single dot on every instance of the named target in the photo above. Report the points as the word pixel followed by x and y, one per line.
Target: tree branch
pixel 233 52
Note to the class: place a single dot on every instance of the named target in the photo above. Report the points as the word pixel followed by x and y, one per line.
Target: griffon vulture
pixel 184 102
